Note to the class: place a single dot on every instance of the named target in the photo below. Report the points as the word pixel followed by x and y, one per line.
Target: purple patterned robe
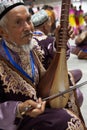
pixel 14 89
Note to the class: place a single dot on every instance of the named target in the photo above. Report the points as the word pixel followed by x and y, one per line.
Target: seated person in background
pixel 85 22
pixel 80 48
pixel 42 25
pixel 20 72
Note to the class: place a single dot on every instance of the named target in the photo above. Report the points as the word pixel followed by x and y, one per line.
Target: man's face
pixel 19 26
pixel 47 28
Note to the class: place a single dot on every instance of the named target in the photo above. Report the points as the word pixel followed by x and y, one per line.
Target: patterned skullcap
pixel 7 5
pixel 39 18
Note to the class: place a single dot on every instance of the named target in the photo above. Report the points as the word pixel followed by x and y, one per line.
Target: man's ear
pixel 44 26
pixel 3 32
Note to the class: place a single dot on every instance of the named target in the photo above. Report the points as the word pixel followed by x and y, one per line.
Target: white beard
pixel 30 46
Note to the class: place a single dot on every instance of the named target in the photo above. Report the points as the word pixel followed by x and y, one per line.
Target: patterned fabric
pixel 74 124
pixel 58 119
pixel 47 46
pixel 14 88
pixel 11 80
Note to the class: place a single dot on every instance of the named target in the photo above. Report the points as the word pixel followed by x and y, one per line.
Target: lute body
pixel 56 77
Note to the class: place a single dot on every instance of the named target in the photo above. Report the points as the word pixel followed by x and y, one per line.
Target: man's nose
pixel 26 25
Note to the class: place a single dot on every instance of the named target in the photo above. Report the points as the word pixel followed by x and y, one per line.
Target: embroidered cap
pixel 7 5
pixel 39 17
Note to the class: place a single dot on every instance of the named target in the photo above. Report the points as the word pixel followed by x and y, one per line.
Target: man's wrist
pixel 19 111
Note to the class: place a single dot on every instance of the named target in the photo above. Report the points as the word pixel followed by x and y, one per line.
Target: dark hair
pixel 45 7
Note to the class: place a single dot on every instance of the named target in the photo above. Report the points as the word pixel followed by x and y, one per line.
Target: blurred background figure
pixel 50 11
pixel 72 20
pixel 76 20
pixel 85 22
pixel 31 5
pixel 81 19
pixel 80 47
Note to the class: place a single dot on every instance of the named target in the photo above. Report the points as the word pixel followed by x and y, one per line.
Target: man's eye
pixel 18 22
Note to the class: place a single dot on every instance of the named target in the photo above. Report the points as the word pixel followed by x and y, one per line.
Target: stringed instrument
pixel 56 77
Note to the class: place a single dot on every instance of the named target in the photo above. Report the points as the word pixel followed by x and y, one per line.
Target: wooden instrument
pixel 29 108
pixel 56 77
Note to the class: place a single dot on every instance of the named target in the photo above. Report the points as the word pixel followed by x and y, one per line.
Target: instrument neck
pixel 64 20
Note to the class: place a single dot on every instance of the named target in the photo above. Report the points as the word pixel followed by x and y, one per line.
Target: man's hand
pixel 71 33
pixel 36 108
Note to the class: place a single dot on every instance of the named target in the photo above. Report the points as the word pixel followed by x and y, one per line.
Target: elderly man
pixel 20 109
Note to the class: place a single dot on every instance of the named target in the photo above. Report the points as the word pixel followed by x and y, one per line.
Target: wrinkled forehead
pixel 18 12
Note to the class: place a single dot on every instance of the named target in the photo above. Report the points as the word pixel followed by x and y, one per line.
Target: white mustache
pixel 27 34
